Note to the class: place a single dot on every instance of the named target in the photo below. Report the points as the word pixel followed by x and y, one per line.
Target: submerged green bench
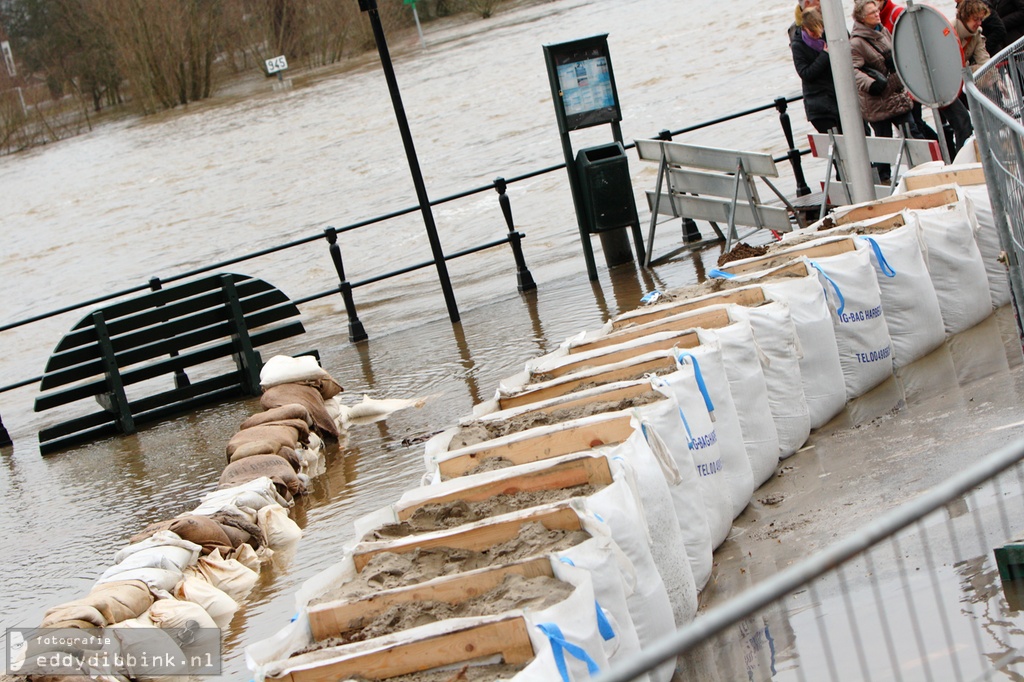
pixel 125 356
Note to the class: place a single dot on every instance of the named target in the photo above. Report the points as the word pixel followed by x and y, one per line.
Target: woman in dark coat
pixel 810 57
pixel 1012 14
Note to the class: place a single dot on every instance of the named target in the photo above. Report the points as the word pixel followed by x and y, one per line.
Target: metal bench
pixel 704 183
pixel 895 151
pixel 144 341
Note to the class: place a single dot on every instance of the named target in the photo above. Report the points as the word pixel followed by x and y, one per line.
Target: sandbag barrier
pixel 189 574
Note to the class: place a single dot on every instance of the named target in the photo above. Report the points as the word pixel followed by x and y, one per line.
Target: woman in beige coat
pixel 884 102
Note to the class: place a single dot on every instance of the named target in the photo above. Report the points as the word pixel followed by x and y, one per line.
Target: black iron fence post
pixel 515 239
pixel 356 332
pixel 181 379
pixel 5 438
pixel 794 154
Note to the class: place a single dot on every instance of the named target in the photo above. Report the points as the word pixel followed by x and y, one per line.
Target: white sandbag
pixel 955 265
pixel 283 369
pixel 174 613
pixel 212 599
pixel 229 575
pixel 701 440
pixel 989 245
pixel 662 425
pixel 248 557
pixel 862 335
pixel 709 366
pixel 278 528
pixel 776 336
pixel 252 495
pixel 820 370
pixel 742 359
pixel 165 543
pixel 909 301
pixel 650 472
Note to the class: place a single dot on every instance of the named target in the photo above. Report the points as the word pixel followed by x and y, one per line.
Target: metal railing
pixel 346 286
pixel 857 610
pixel 996 95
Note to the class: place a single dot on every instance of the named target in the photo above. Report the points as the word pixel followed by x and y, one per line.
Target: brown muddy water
pixel 160 196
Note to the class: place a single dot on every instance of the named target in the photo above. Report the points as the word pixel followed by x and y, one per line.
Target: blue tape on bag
pixel 603 626
pixel 559 647
pixel 883 264
pixel 700 381
pixel 720 274
pixel 839 294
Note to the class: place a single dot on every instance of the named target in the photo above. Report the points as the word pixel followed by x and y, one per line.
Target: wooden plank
pixel 716 209
pixel 771 260
pixel 707 158
pixel 615 395
pixel 683 340
pixel 476 537
pixel 533 448
pixel 965 177
pixel 592 470
pixel 711 319
pixel 745 296
pixel 571 383
pixel 509 638
pixel 334 618
pixel 895 204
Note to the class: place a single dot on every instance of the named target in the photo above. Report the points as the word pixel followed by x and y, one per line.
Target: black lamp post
pixel 370 7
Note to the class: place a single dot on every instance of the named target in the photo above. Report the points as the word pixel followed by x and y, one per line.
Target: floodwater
pixel 157 197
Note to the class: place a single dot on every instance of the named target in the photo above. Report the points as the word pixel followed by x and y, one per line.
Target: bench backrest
pixel 161 334
pixel 880 150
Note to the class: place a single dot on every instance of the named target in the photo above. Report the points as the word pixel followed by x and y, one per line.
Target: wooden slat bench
pixel 159 335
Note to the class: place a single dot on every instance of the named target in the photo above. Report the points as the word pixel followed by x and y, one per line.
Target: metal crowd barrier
pixel 914 595
pixel 996 95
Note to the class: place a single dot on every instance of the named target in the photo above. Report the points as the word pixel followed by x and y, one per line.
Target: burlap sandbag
pixel 250 468
pixel 201 530
pixel 150 530
pixel 277 433
pixel 240 529
pixel 307 396
pixel 292 411
pixel 256 447
pixel 120 600
pixel 78 611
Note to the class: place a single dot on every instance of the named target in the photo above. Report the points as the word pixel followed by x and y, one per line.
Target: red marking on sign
pixel 945 31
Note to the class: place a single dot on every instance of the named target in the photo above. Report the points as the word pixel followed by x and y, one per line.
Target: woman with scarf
pixel 884 102
pixel 810 57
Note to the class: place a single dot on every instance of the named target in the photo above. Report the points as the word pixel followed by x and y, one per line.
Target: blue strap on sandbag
pixel 559 647
pixel 603 626
pixel 689 434
pixel 715 273
pixel 883 264
pixel 700 380
pixel 842 301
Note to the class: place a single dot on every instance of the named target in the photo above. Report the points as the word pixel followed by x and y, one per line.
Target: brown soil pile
pixel 515 592
pixel 468 673
pixel 431 517
pixel 389 570
pixel 741 251
pixel 826 223
pixel 481 431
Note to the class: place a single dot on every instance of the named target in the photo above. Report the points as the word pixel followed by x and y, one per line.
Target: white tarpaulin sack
pixel 662 424
pixel 695 438
pixel 776 337
pixel 820 370
pixel 987 236
pixel 955 265
pixel 911 307
pixel 862 335
pixel 709 367
pixel 741 357
pixel 651 472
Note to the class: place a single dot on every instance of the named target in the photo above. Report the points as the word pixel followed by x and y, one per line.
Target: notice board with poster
pixel 582 83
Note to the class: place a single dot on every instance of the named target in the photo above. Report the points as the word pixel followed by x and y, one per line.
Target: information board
pixel 582 83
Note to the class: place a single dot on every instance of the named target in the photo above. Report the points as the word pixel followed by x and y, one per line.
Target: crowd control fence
pixel 996 96
pixel 915 595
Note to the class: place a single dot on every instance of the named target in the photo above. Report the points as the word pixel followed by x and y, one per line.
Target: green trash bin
pixel 605 187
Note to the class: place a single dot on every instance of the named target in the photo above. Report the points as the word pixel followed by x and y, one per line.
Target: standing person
pixel 798 21
pixel 969 17
pixel 884 101
pixel 889 12
pixel 811 60
pixel 1012 14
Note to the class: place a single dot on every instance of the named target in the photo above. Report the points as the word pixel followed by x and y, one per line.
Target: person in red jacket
pixel 889 12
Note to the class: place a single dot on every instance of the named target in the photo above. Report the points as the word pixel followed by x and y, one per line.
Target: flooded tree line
pixel 70 60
